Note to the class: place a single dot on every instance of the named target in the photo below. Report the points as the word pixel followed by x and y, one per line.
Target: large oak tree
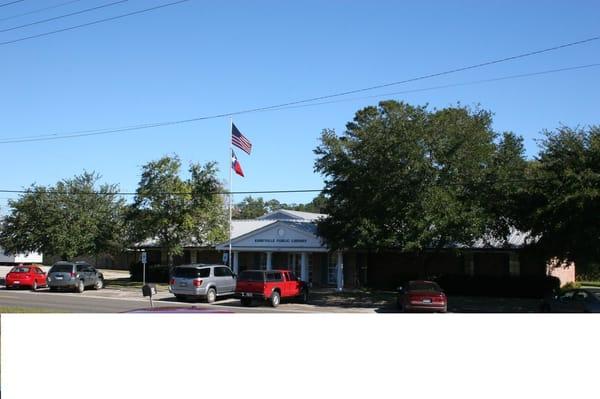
pixel 70 219
pixel 405 177
pixel 177 211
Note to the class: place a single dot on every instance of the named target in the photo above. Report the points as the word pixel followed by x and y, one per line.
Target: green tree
pixel 251 208
pixel 70 219
pixel 176 211
pixel 562 204
pixel 405 177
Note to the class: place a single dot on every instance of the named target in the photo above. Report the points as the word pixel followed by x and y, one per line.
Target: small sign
pixel 225 257
pixel 144 257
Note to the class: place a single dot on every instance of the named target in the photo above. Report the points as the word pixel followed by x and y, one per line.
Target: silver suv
pixel 202 281
pixel 74 276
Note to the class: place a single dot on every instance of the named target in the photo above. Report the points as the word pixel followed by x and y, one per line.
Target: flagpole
pixel 230 190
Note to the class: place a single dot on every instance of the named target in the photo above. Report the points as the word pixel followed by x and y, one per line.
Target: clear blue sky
pixel 202 58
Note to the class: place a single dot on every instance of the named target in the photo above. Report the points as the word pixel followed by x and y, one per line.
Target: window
pixel 332 269
pixel 293 277
pixel 20 269
pixel 222 272
pixel 190 272
pixel 251 276
pixel 567 296
pixel 227 272
pixel 581 296
pixel 83 267
pixel 61 269
pixel 274 276
pixel 423 286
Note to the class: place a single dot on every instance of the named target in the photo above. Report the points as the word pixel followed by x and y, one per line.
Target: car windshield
pixel 190 272
pixel 423 286
pixel 252 276
pixel 61 269
pixel 19 269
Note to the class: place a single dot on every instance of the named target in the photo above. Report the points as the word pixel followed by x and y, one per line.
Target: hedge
pixel 154 273
pixel 505 286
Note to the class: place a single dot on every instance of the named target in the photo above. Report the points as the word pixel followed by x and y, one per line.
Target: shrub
pixel 570 285
pixel 154 273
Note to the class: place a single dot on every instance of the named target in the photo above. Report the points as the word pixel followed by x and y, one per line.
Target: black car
pixel 579 300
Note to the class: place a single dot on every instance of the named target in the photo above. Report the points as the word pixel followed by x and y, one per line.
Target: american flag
pixel 239 140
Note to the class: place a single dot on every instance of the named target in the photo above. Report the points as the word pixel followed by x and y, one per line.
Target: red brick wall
pixel 563 270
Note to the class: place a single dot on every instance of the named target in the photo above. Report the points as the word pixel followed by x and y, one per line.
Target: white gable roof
pixel 275 235
pixel 243 227
pixel 284 214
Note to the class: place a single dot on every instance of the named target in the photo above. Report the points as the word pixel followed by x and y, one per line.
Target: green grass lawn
pixel 589 283
pixel 24 309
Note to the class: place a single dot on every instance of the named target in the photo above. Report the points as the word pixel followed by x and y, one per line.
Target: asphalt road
pixel 113 301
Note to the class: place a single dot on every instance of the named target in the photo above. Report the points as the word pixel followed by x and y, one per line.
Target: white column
pixel 514 267
pixel 236 259
pixel 269 260
pixel 340 271
pixel 304 267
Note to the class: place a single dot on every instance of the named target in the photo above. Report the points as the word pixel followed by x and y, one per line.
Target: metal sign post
pixel 144 260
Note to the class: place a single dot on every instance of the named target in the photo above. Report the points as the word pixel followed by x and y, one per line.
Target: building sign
pixel 280 237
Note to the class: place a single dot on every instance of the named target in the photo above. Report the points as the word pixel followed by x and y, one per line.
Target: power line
pixel 225 192
pixel 97 132
pixel 64 15
pixel 475 82
pixel 39 10
pixel 11 2
pixel 93 22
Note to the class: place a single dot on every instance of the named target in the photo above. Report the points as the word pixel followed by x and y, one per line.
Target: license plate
pixel 59 277
pixel 247 294
pixel 183 284
pixel 426 300
pixel 17 282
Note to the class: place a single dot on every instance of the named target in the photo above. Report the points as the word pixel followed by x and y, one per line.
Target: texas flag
pixel 236 165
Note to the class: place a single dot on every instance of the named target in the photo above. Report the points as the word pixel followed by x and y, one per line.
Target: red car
pixel 271 285
pixel 31 276
pixel 422 296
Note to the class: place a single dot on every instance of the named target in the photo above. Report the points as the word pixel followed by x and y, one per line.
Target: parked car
pixel 202 281
pixel 30 276
pixel 272 285
pixel 580 300
pixel 423 296
pixel 74 276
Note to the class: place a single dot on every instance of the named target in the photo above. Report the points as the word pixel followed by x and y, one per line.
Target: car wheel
pixel 34 286
pixel 211 295
pixel 275 299
pixel 99 284
pixel 52 289
pixel 304 296
pixel 246 301
pixel 545 308
pixel 399 305
pixel 80 287
pixel 180 297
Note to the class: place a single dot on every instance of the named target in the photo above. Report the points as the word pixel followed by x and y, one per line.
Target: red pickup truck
pixel 271 285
